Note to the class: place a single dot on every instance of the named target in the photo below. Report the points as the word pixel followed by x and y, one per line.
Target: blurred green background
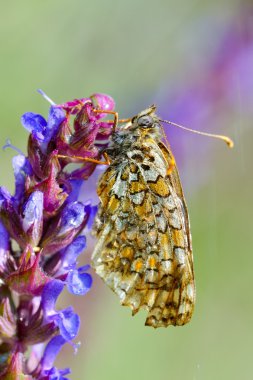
pixel 142 52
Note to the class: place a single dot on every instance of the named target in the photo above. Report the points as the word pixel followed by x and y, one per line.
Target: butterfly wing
pixel 143 251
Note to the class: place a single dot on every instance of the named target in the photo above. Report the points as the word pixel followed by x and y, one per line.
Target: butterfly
pixel 144 251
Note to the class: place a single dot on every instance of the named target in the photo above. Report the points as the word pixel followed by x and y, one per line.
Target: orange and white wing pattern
pixel 144 250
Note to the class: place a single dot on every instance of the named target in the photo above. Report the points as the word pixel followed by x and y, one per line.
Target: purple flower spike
pixel 40 241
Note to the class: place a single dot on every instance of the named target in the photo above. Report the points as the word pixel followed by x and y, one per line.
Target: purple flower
pixel 208 100
pixel 6 261
pixel 79 282
pixel 35 124
pixel 45 219
pixel 22 169
pixel 65 227
pixel 25 225
pixel 41 130
pixel 71 253
pixel 4 241
pixel 32 221
pixel 48 371
pixel 66 320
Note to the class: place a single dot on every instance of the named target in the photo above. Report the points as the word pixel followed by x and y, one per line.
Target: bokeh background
pixel 194 59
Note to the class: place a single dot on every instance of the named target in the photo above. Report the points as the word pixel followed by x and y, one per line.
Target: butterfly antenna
pixel 227 140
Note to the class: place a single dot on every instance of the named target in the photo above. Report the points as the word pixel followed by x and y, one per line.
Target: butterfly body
pixel 144 249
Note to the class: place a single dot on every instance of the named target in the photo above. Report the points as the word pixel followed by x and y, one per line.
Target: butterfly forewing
pixel 144 246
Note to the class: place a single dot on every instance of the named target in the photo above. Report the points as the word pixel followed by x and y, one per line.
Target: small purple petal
pixel 35 124
pixel 5 196
pixel 71 253
pixel 79 283
pixel 33 217
pixel 56 374
pixel 76 185
pixel 93 211
pixel 68 323
pixel 51 351
pixel 22 169
pixel 33 210
pixel 72 216
pixel 4 248
pixel 4 240
pixel 51 292
pixel 55 118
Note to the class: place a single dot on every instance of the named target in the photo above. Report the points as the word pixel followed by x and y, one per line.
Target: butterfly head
pixel 146 119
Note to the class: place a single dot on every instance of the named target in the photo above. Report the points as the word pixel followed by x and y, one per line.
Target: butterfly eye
pixel 145 121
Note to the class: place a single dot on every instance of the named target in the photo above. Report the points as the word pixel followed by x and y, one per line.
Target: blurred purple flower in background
pixel 45 220
pixel 217 94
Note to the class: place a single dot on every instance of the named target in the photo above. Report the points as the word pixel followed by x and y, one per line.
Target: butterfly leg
pixel 87 159
pixel 116 118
